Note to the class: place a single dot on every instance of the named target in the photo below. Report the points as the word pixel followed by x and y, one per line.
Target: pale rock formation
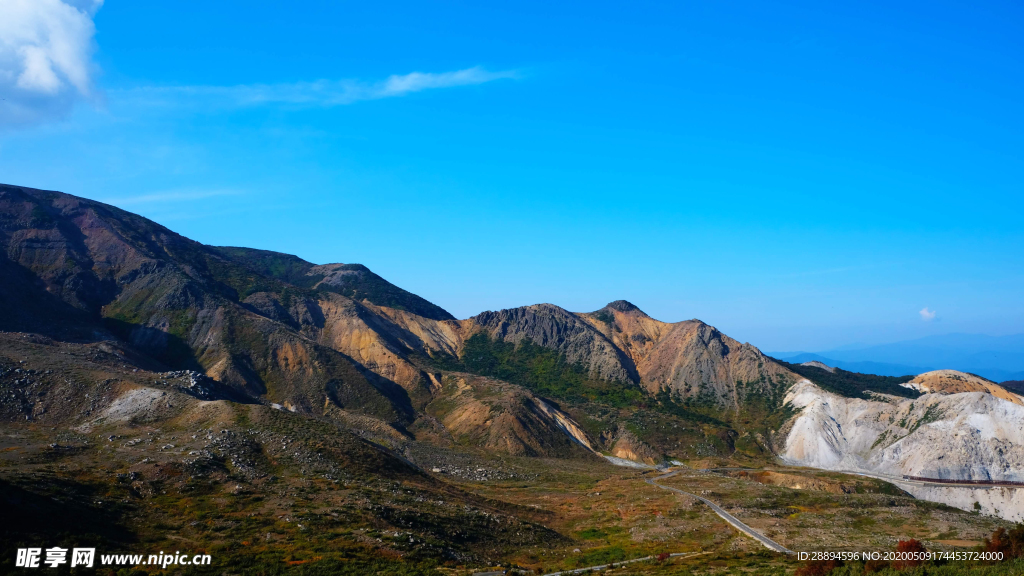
pixel 963 436
pixel 822 365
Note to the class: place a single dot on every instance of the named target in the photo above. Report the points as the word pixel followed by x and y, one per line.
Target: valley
pixel 158 393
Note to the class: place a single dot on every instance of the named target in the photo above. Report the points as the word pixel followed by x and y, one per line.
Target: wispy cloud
pixel 169 197
pixel 926 314
pixel 320 93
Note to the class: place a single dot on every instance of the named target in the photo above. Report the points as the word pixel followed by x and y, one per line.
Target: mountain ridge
pixel 322 338
pixel 338 343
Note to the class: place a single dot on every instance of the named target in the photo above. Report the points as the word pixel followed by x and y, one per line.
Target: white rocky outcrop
pixel 962 436
pixel 822 365
pixel 563 422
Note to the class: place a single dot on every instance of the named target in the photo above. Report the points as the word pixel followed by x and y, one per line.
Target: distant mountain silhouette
pixel 997 358
pixel 879 368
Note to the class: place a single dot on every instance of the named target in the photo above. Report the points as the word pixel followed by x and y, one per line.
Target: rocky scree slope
pixel 552 327
pixel 502 417
pixel 974 435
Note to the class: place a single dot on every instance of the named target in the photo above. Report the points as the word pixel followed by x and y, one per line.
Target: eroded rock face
pixel 695 360
pixel 355 331
pixel 624 444
pixel 1006 503
pixel 628 327
pixel 966 436
pixel 690 360
pixel 552 327
pixel 359 283
pixel 961 436
pixel 506 418
pixel 822 365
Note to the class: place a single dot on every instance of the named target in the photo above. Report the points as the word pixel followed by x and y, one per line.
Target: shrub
pixel 1009 542
pixel 908 547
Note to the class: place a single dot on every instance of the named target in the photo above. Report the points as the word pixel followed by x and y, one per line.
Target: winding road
pixel 925 482
pixel 732 520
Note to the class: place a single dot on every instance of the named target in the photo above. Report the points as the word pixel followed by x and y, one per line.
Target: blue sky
pixel 802 176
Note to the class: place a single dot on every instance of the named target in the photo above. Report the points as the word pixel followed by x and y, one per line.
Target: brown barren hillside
pixel 628 327
pixel 694 359
pixel 955 382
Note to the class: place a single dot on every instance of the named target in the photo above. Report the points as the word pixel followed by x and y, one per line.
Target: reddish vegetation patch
pixel 908 547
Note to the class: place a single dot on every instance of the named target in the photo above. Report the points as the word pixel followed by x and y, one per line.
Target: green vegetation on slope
pixel 356 282
pixel 1015 386
pixel 653 418
pixel 360 283
pixel 243 282
pixel 544 371
pixel 853 384
pixel 284 267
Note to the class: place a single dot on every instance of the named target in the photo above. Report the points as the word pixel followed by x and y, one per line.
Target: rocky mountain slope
pixel 552 327
pixel 690 360
pixel 101 451
pixel 959 435
pixel 110 274
pixel 502 417
pixel 330 340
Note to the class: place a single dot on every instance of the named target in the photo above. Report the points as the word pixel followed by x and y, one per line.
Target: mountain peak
pixel 625 307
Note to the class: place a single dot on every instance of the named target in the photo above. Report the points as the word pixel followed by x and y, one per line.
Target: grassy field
pixel 295 506
pixel 611 514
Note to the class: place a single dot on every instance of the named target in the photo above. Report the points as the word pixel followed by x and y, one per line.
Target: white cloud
pixel 46 51
pixel 926 314
pixel 321 93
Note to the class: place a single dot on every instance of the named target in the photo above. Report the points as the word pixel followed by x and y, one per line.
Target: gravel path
pixel 732 520
pixel 614 564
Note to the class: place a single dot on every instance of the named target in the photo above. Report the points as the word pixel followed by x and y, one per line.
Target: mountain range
pixel 338 341
pixel 132 325
pixel 997 358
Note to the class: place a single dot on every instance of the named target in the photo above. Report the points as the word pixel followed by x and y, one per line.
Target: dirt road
pixel 732 520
